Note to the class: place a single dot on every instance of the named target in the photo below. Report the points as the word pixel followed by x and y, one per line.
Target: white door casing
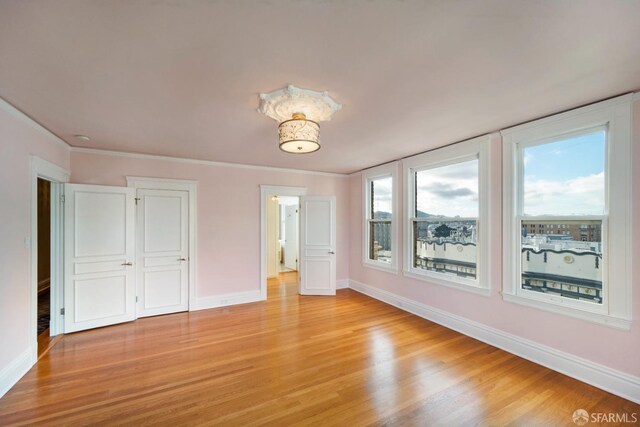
pixel 99 284
pixel 317 245
pixel 291 237
pixel 162 252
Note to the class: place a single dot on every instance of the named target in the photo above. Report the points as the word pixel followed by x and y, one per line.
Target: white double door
pixel 102 262
pixel 162 250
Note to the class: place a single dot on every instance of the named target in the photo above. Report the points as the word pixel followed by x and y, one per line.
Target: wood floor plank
pixel 293 360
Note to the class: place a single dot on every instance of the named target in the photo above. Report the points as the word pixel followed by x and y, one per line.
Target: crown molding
pixel 573 112
pixel 101 152
pixel 24 118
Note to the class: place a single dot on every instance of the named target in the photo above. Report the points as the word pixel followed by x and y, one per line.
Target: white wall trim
pixel 602 319
pixel 41 168
pixel 603 377
pixel 636 96
pixel 225 300
pixel 477 148
pixel 271 190
pixel 342 284
pixel 22 117
pixel 388 170
pixel 191 187
pixel 616 115
pixel 15 370
pixel 574 112
pixel 200 162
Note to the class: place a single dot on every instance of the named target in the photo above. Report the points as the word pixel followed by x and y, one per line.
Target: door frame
pixel 57 175
pixel 271 190
pixel 191 187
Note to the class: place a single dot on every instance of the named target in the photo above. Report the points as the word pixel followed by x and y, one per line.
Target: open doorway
pixel 47 249
pixel 44 264
pixel 282 245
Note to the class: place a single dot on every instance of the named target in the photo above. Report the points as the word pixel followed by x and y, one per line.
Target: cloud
pixel 582 195
pixel 449 191
pixel 382 200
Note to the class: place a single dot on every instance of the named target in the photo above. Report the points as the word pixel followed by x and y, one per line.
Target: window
pixel 568 175
pixel 447 228
pixel 380 234
pixel 563 186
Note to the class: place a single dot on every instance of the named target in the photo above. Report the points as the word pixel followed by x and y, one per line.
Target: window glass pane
pixel 380 241
pixel 381 198
pixel 563 258
pixel 449 191
pixel 447 247
pixel 565 177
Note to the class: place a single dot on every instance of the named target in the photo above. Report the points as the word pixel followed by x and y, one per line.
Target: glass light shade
pixel 299 135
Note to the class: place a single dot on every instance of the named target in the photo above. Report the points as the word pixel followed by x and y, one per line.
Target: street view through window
pixel 380 214
pixel 563 214
pixel 445 220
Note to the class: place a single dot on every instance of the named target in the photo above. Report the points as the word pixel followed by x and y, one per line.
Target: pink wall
pixel 610 347
pixel 19 138
pixel 228 212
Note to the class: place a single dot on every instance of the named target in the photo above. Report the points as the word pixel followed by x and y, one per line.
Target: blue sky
pixel 566 159
pixel 566 177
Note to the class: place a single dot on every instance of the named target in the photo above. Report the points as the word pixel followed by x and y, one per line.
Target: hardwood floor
pixel 344 360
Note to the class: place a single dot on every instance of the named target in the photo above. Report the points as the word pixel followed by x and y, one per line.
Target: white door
pixel 291 237
pixel 99 281
pixel 162 252
pixel 317 245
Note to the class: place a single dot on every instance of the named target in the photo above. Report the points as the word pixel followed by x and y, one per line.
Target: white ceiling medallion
pixel 298 111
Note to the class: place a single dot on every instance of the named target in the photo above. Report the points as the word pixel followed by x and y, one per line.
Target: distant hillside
pixel 382 215
pixel 426 215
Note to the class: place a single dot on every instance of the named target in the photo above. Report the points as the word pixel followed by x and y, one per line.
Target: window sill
pixel 448 283
pixel 602 319
pixel 391 269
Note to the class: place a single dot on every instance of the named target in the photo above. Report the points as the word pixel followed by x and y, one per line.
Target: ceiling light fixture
pixel 298 111
pixel 83 138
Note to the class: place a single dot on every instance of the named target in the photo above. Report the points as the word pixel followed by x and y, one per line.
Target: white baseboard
pixel 225 300
pixel 603 377
pixel 15 370
pixel 342 283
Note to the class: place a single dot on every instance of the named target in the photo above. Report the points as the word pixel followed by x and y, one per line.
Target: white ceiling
pixel 181 78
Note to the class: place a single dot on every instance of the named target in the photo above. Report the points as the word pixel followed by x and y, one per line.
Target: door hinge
pixel 136 298
pixel 62 311
pixel 62 198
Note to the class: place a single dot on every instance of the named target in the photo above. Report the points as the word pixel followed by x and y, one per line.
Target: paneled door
pixel 99 287
pixel 291 237
pixel 162 249
pixel 317 245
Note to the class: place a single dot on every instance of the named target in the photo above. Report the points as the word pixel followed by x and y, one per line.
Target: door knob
pixel 331 252
pixel 127 263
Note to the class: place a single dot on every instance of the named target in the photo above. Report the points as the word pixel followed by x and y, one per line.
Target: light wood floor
pixel 345 360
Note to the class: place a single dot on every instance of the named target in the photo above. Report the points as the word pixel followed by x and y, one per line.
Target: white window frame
pixel 383 171
pixel 614 115
pixel 476 148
